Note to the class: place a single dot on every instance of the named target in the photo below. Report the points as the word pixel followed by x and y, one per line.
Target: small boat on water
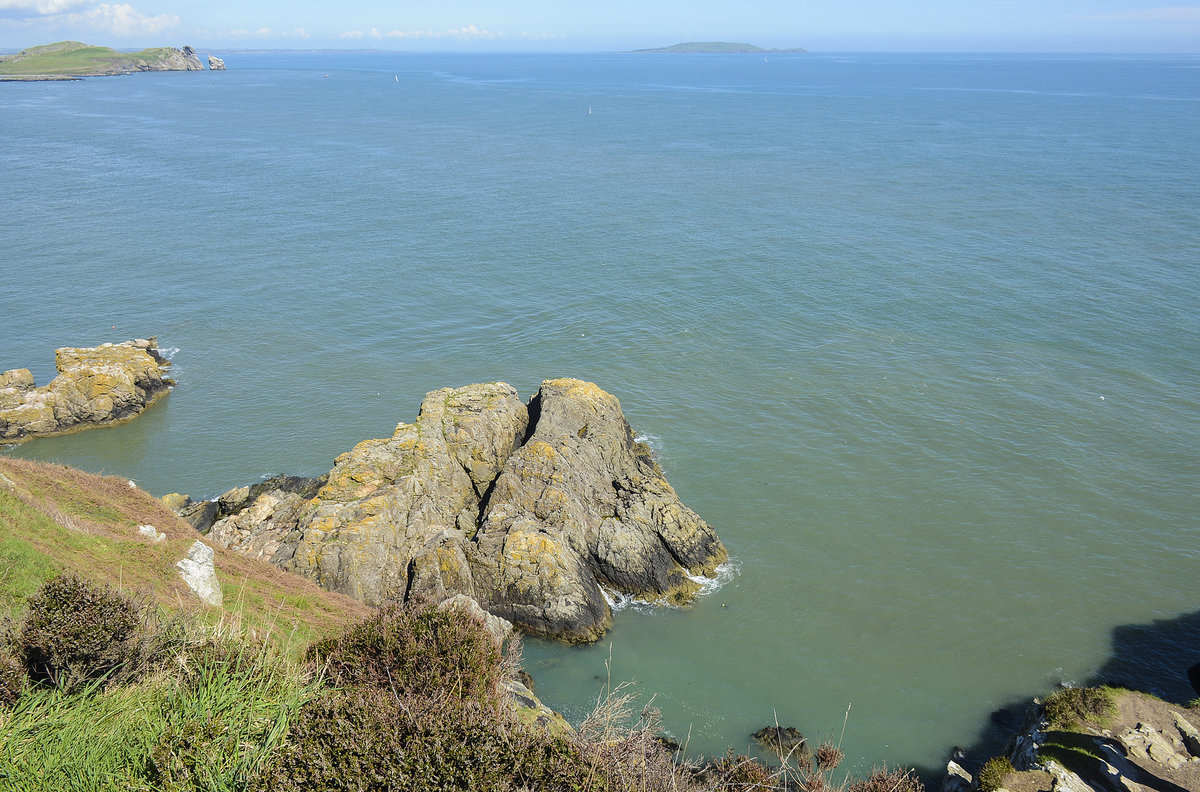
pixel 397 76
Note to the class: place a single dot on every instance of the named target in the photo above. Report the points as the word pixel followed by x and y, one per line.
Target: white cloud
pixel 1168 14
pixel 263 31
pixel 300 32
pixel 351 34
pixel 42 6
pixel 375 34
pixel 123 20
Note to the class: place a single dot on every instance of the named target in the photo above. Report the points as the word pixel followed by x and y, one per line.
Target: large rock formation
pixel 531 510
pixel 95 386
pixel 215 63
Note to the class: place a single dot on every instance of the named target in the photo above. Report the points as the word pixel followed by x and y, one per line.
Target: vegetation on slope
pixel 54 518
pixel 74 58
pixel 111 680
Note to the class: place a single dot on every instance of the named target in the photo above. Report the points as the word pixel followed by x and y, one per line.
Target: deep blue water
pixel 920 335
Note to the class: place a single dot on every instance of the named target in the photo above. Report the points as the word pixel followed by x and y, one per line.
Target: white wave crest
pixel 168 352
pixel 725 573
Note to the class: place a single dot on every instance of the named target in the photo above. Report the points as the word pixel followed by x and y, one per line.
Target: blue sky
pixel 569 26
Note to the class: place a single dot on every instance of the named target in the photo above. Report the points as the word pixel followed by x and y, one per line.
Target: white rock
pixel 200 575
pixel 151 533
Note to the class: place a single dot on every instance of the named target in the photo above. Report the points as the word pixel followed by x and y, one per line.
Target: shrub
pixel 12 677
pixel 829 756
pixel 367 738
pixel 416 649
pixel 1068 708
pixel 75 632
pixel 738 773
pixel 991 775
pixel 884 780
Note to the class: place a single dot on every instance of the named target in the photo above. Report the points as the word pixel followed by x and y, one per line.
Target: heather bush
pixel 416 648
pixel 884 780
pixel 1068 708
pixel 12 676
pixel 75 632
pixel 991 775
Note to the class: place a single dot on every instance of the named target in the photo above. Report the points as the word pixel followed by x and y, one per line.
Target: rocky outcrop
pixel 531 510
pixel 1145 744
pixel 95 387
pixel 215 63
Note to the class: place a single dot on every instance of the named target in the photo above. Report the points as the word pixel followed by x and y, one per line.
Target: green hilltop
pixel 73 59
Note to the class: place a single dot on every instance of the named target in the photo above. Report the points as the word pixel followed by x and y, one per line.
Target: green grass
pixel 208 726
pixel 73 58
pixel 58 519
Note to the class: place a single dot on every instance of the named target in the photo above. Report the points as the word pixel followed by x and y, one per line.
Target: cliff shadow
pixel 1150 658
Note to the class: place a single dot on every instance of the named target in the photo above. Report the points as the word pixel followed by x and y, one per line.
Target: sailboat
pixel 397 76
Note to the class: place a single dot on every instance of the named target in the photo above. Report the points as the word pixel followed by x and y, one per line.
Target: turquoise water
pixel 920 335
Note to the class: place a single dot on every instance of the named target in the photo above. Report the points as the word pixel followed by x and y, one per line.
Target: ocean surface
pixel 919 335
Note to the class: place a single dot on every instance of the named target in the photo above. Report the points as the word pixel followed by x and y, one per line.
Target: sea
pixel 919 335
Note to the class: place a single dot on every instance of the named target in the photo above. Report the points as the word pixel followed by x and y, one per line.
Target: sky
pixel 1117 26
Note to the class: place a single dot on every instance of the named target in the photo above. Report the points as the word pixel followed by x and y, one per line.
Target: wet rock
pixel 95 386
pixel 780 739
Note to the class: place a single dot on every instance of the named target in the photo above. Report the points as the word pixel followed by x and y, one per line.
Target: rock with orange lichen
pixel 96 386
pixel 533 511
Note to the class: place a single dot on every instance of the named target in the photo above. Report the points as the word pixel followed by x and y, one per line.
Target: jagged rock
pixel 95 386
pixel 199 573
pixel 957 779
pixel 468 500
pixel 215 63
pixel 1190 734
pixel 582 505
pixel 200 515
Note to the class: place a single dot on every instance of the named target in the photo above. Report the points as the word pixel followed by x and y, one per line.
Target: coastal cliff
pixel 66 60
pixel 534 510
pixel 96 386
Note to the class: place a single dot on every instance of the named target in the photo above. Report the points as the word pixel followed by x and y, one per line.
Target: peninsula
pixel 717 47
pixel 72 60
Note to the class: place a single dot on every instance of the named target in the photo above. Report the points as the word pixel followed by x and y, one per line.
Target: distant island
pixel 71 60
pixel 717 46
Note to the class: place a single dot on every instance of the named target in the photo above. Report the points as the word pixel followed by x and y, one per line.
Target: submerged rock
pixel 530 510
pixel 95 387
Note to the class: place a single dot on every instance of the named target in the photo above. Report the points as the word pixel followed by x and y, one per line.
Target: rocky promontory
pixel 66 60
pixel 215 63
pixel 95 386
pixel 533 510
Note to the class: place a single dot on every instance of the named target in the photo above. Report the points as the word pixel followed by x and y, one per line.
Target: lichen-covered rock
pixel 388 503
pixel 579 507
pixel 533 522
pixel 95 386
pixel 200 574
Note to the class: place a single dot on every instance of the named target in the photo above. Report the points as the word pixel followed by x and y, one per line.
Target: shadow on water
pixel 1152 658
